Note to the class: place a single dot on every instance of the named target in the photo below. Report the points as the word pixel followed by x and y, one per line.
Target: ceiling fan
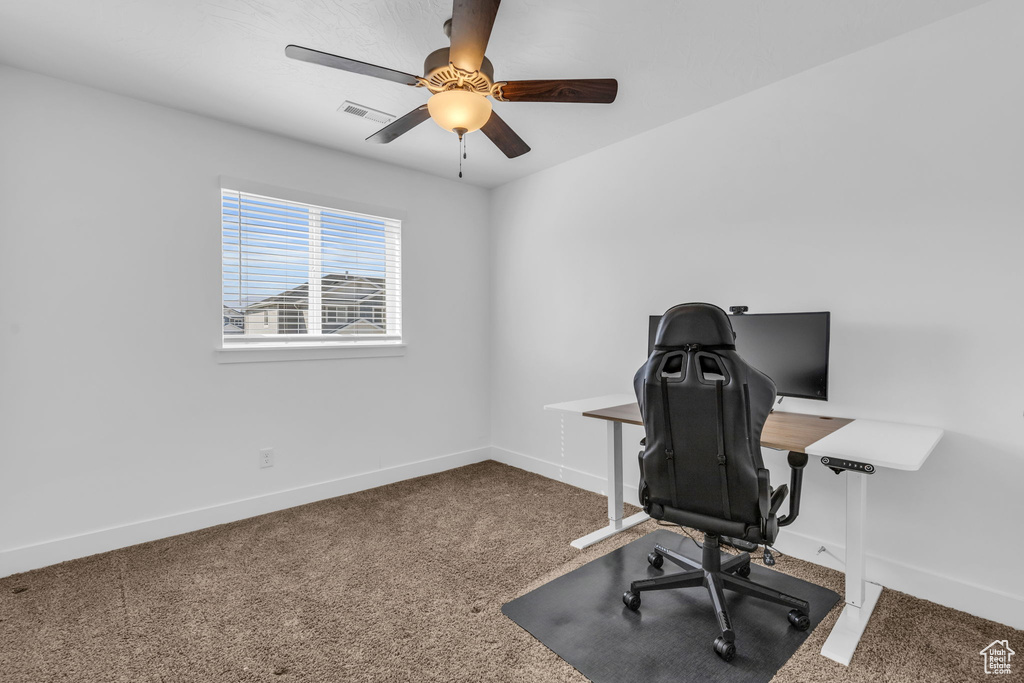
pixel 461 78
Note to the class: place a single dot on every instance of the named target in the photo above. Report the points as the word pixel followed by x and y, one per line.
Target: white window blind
pixel 296 273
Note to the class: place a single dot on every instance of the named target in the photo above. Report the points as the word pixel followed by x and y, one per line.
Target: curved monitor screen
pixel 791 348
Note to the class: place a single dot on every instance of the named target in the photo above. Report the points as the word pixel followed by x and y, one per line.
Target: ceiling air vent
pixel 364 112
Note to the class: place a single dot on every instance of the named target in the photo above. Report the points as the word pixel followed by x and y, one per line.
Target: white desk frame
pixel 616 523
pixel 883 444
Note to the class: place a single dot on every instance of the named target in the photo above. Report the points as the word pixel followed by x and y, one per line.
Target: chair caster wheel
pixel 631 600
pixel 743 571
pixel 656 559
pixel 800 621
pixel 725 649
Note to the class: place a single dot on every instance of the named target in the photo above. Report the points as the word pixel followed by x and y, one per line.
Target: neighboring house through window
pixel 301 272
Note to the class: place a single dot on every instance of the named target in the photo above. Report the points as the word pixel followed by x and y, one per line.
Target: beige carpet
pixel 400 583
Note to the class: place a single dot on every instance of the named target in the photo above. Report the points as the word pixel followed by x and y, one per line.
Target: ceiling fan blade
pixel 504 137
pixel 471 29
pixel 597 90
pixel 400 126
pixel 305 54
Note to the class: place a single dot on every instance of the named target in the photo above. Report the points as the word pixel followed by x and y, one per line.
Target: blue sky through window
pixel 267 246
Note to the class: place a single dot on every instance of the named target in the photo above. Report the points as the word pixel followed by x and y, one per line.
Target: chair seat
pixel 705 523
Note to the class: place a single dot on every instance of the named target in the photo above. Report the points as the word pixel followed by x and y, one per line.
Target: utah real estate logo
pixel 997 657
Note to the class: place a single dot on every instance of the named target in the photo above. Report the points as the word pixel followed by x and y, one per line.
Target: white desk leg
pixel 615 521
pixel 615 474
pixel 861 596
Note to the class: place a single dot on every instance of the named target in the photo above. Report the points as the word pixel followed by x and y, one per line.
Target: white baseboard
pixel 921 582
pixel 577 478
pixel 43 554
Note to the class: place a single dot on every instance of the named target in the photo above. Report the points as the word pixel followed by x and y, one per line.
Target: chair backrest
pixel 703 409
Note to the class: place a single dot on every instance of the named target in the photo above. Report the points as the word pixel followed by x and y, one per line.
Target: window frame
pixel 307 347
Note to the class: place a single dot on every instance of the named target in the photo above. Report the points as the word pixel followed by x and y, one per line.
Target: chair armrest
pixel 764 492
pixel 797 461
pixel 778 495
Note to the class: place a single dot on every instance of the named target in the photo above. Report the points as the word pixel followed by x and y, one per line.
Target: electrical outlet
pixel 266 457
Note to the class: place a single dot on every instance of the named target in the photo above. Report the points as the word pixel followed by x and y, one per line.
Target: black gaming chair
pixel 703 409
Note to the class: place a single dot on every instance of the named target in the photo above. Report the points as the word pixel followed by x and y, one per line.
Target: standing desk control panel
pixel 838 465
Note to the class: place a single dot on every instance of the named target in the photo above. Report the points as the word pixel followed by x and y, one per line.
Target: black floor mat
pixel 580 616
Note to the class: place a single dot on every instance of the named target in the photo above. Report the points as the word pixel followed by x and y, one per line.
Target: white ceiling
pixel 225 59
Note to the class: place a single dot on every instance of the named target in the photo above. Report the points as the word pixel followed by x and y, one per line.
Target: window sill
pixel 269 353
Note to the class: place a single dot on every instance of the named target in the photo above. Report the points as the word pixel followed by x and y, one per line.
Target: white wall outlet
pixel 266 457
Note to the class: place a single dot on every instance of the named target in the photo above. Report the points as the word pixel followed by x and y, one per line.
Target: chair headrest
pixel 694 323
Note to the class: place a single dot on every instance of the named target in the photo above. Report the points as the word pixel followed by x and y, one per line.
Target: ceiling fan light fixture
pixel 454 109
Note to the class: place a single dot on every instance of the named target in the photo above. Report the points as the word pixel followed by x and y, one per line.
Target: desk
pixel 883 444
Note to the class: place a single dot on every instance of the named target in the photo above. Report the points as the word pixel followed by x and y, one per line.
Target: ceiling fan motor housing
pixel 442 75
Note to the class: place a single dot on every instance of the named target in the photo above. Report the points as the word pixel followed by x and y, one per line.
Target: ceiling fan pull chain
pixel 462 143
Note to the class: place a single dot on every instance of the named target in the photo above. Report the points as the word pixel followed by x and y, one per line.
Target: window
pixel 288 267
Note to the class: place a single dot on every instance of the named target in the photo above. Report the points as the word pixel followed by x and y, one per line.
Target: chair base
pixel 717 576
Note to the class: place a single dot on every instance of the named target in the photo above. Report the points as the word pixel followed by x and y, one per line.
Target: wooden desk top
pixel 784 431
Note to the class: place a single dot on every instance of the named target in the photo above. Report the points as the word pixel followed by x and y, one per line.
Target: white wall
pixel 884 187
pixel 110 229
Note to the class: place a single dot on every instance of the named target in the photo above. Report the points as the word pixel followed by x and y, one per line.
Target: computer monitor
pixel 791 348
